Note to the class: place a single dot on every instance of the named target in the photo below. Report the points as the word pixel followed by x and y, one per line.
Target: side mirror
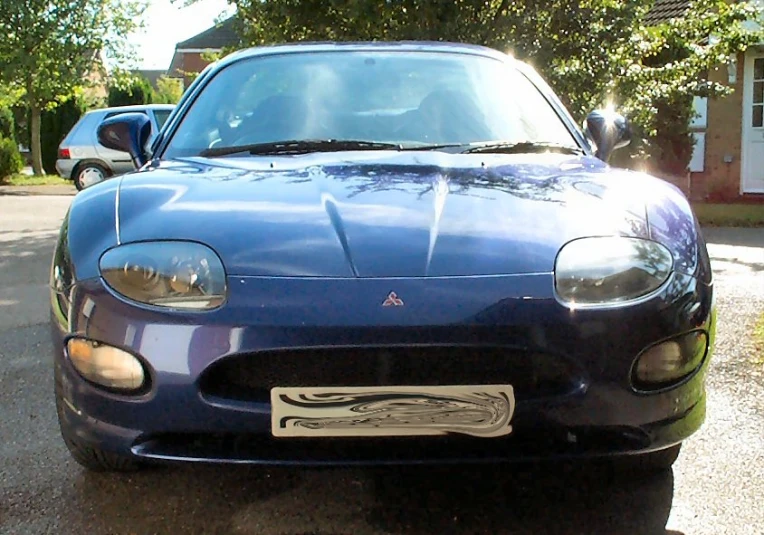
pixel 608 130
pixel 126 132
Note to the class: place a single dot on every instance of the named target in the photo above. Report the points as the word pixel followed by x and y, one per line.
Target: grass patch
pixel 758 341
pixel 730 215
pixel 26 180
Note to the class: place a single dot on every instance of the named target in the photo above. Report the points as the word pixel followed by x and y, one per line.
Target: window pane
pixel 758 68
pixel 161 117
pixel 758 116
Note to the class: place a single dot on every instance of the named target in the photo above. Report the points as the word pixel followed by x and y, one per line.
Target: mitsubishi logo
pixel 393 300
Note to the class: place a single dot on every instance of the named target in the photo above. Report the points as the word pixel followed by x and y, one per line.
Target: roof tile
pixel 665 10
pixel 221 35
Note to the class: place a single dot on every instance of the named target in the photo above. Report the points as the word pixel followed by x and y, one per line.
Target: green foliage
pixel 189 76
pixel 136 91
pixel 55 125
pixel 212 57
pixel 7 126
pixel 732 215
pixel 10 94
pixel 10 158
pixel 21 124
pixel 592 52
pixel 52 48
pixel 169 90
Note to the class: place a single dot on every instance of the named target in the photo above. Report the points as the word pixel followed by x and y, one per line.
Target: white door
pixel 752 179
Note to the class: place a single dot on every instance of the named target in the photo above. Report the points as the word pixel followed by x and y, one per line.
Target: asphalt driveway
pixel 716 486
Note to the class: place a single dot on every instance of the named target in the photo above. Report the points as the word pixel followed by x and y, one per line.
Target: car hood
pixel 383 214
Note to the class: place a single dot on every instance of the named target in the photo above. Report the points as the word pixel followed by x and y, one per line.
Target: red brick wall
pixel 191 62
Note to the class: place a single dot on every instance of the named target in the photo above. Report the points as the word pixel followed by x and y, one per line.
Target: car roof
pixel 134 107
pixel 354 46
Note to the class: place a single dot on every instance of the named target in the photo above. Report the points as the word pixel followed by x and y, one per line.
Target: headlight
pixel 167 274
pixel 609 270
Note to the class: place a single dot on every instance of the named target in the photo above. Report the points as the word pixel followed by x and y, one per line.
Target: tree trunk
pixel 34 135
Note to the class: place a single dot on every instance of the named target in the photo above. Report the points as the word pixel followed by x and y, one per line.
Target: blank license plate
pixel 480 411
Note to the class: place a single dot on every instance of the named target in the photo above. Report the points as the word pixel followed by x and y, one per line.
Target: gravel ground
pixel 715 488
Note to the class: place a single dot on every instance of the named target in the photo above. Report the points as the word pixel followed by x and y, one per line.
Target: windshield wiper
pixel 299 146
pixel 512 147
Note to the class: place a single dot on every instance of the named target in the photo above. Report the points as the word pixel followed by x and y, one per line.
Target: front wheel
pixel 89 174
pixel 90 457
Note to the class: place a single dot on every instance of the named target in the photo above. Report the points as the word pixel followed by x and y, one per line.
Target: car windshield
pixel 409 99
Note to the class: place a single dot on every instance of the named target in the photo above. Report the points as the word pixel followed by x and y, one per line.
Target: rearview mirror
pixel 126 132
pixel 608 130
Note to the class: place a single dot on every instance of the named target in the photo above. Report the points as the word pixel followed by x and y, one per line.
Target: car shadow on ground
pixel 560 498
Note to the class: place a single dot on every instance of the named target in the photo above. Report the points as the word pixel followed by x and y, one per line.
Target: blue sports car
pixel 371 253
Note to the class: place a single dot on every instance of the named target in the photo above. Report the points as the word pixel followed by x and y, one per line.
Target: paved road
pixel 716 486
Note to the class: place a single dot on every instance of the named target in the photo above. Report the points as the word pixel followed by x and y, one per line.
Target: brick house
pixel 192 55
pixel 728 160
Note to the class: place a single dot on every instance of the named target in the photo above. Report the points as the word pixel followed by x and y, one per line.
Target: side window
pixel 161 117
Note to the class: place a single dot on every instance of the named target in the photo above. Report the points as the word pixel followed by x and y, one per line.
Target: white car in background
pixel 84 160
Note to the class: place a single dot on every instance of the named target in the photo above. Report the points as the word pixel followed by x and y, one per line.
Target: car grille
pixel 250 377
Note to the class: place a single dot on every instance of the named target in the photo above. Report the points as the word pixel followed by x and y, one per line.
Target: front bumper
pixel 595 411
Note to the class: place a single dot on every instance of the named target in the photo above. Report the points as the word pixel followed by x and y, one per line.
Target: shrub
pixel 169 90
pixel 54 125
pixel 137 91
pixel 7 129
pixel 10 158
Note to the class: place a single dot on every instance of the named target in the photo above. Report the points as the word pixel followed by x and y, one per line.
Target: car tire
pixel 88 174
pixel 90 457
pixel 650 463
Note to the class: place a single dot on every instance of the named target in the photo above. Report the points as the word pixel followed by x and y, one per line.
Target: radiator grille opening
pixel 250 377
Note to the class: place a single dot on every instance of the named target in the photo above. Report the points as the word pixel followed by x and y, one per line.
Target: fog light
pixel 105 365
pixel 670 361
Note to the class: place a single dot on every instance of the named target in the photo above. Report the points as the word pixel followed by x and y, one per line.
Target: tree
pixel 134 90
pixel 50 48
pixel 169 90
pixel 55 124
pixel 593 52
pixel 9 95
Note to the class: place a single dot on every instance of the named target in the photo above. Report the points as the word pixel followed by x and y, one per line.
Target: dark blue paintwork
pixel 126 132
pixel 384 214
pixel 313 244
